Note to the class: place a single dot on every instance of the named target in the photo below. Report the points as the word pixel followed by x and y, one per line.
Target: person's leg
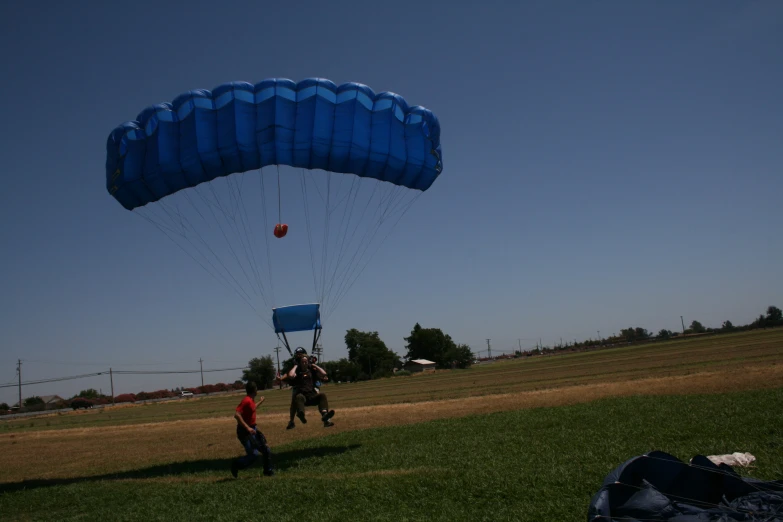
pixel 266 453
pixel 291 413
pixel 300 407
pixel 250 454
pixel 323 407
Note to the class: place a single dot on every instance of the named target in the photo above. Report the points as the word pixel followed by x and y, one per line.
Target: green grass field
pixel 609 365
pixel 522 462
pixel 540 464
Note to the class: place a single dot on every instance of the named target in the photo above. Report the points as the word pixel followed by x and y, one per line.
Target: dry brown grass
pixel 660 359
pixel 111 450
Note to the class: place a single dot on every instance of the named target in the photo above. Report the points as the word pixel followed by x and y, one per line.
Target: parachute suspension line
pixel 349 277
pixel 183 234
pixel 248 237
pixel 265 233
pixel 243 234
pixel 209 248
pixel 343 249
pixel 363 244
pixel 326 263
pixel 222 231
pixel 339 274
pixel 309 234
pixel 279 199
pixel 341 246
pixel 236 257
pixel 222 280
pixel 388 233
pixel 325 246
pixel 228 272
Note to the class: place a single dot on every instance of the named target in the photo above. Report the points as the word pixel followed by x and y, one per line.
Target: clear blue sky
pixel 607 165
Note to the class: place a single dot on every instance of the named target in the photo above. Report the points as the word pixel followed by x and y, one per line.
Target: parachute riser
pixel 285 342
pixel 316 337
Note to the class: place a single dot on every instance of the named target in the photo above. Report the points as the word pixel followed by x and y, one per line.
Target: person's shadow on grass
pixel 282 461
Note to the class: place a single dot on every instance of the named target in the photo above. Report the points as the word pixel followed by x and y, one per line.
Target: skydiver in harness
pixel 317 386
pixel 305 379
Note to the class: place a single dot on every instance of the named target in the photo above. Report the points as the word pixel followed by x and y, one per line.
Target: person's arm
pixel 291 374
pixel 321 372
pixel 241 421
pixel 260 402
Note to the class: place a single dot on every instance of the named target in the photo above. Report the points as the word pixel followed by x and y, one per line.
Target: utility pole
pixel 201 363
pixel 111 379
pixel 683 325
pixel 318 352
pixel 277 351
pixel 19 372
pixel 489 349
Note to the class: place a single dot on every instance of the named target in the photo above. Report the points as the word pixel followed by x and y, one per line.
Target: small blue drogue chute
pixel 297 318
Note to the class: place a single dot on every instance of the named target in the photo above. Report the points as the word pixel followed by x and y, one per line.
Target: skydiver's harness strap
pixel 316 336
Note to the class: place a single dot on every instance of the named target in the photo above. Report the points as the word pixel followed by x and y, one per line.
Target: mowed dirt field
pixel 136 441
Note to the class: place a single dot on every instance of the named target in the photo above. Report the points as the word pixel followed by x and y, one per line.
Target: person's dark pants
pixel 312 400
pixel 254 445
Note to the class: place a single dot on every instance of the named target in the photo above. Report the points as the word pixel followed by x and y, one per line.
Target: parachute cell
pixel 237 127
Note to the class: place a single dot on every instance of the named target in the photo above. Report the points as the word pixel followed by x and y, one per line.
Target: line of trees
pixel 94 397
pixel 370 358
pixel 771 319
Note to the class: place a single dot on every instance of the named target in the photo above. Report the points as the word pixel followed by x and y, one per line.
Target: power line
pixel 115 372
pixel 56 379
pixel 163 372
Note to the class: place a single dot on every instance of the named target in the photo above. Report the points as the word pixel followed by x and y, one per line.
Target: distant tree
pixel 371 354
pixel 4 406
pixel 664 334
pixel 261 370
pixel 460 356
pixel 125 397
pixel 697 327
pixel 774 316
pixel 727 325
pixel 342 370
pixel 32 401
pixel 90 393
pixel 434 345
pixel 634 334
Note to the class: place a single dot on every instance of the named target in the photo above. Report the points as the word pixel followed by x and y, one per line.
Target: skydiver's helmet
pixel 299 352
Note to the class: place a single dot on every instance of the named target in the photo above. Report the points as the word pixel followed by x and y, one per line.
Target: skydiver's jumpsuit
pixel 306 393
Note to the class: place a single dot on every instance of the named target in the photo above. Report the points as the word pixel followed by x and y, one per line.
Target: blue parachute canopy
pixel 659 486
pixel 297 318
pixel 237 127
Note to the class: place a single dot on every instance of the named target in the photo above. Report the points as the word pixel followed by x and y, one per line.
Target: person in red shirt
pixel 249 435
